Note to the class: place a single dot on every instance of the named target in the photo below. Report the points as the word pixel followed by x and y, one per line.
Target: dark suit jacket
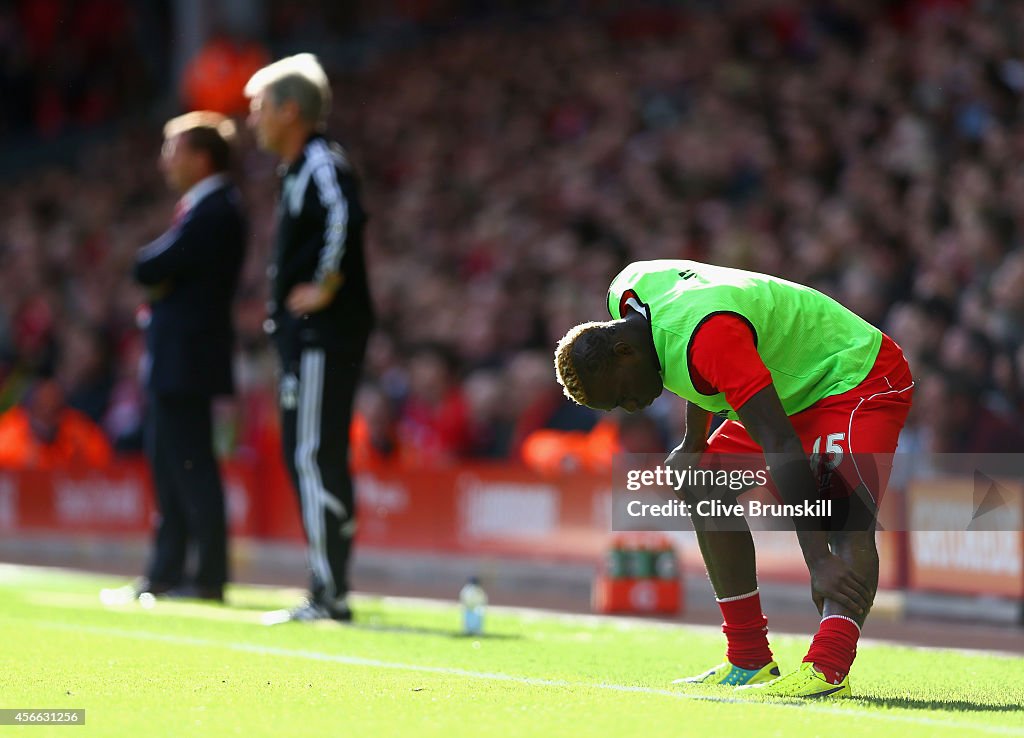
pixel 194 268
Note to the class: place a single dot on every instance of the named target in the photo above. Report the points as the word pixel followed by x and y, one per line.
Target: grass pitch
pixel 190 669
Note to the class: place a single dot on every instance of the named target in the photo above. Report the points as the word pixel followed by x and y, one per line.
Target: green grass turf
pixel 190 669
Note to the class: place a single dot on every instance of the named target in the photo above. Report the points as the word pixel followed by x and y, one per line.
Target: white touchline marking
pixel 620 623
pixel 499 677
pixel 25 573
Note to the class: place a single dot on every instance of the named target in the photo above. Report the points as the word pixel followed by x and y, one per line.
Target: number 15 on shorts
pixel 832 448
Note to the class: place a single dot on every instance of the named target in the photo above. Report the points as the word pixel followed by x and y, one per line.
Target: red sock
pixel 834 647
pixel 746 631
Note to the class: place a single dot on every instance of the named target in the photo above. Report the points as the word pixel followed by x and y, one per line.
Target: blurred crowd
pixel 70 64
pixel 872 150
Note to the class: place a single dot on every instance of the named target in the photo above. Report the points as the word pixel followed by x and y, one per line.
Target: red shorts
pixel 855 434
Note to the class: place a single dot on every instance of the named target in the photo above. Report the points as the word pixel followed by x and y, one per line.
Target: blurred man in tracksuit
pixel 320 315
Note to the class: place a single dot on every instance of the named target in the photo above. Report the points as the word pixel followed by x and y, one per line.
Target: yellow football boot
pixel 729 675
pixel 804 682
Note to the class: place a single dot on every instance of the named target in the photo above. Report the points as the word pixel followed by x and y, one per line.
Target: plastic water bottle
pixel 474 602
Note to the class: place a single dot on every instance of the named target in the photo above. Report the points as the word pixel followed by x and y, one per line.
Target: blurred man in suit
pixel 191 273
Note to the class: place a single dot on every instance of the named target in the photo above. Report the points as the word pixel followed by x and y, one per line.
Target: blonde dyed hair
pixel 568 360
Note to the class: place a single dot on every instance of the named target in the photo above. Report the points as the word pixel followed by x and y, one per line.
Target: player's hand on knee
pixel 681 459
pixel 834 579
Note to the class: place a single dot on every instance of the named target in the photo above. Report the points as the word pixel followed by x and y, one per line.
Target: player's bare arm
pixel 695 439
pixel 831 577
pixel 698 420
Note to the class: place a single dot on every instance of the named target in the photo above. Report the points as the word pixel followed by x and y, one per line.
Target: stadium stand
pixel 870 150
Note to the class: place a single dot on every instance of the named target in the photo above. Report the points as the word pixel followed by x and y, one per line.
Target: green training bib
pixel 813 346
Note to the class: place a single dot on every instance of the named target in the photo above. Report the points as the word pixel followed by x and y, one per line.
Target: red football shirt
pixel 723 358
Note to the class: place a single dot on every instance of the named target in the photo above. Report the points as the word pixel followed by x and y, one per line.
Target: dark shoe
pixel 306 612
pixel 195 592
pixel 132 592
pixel 143 585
